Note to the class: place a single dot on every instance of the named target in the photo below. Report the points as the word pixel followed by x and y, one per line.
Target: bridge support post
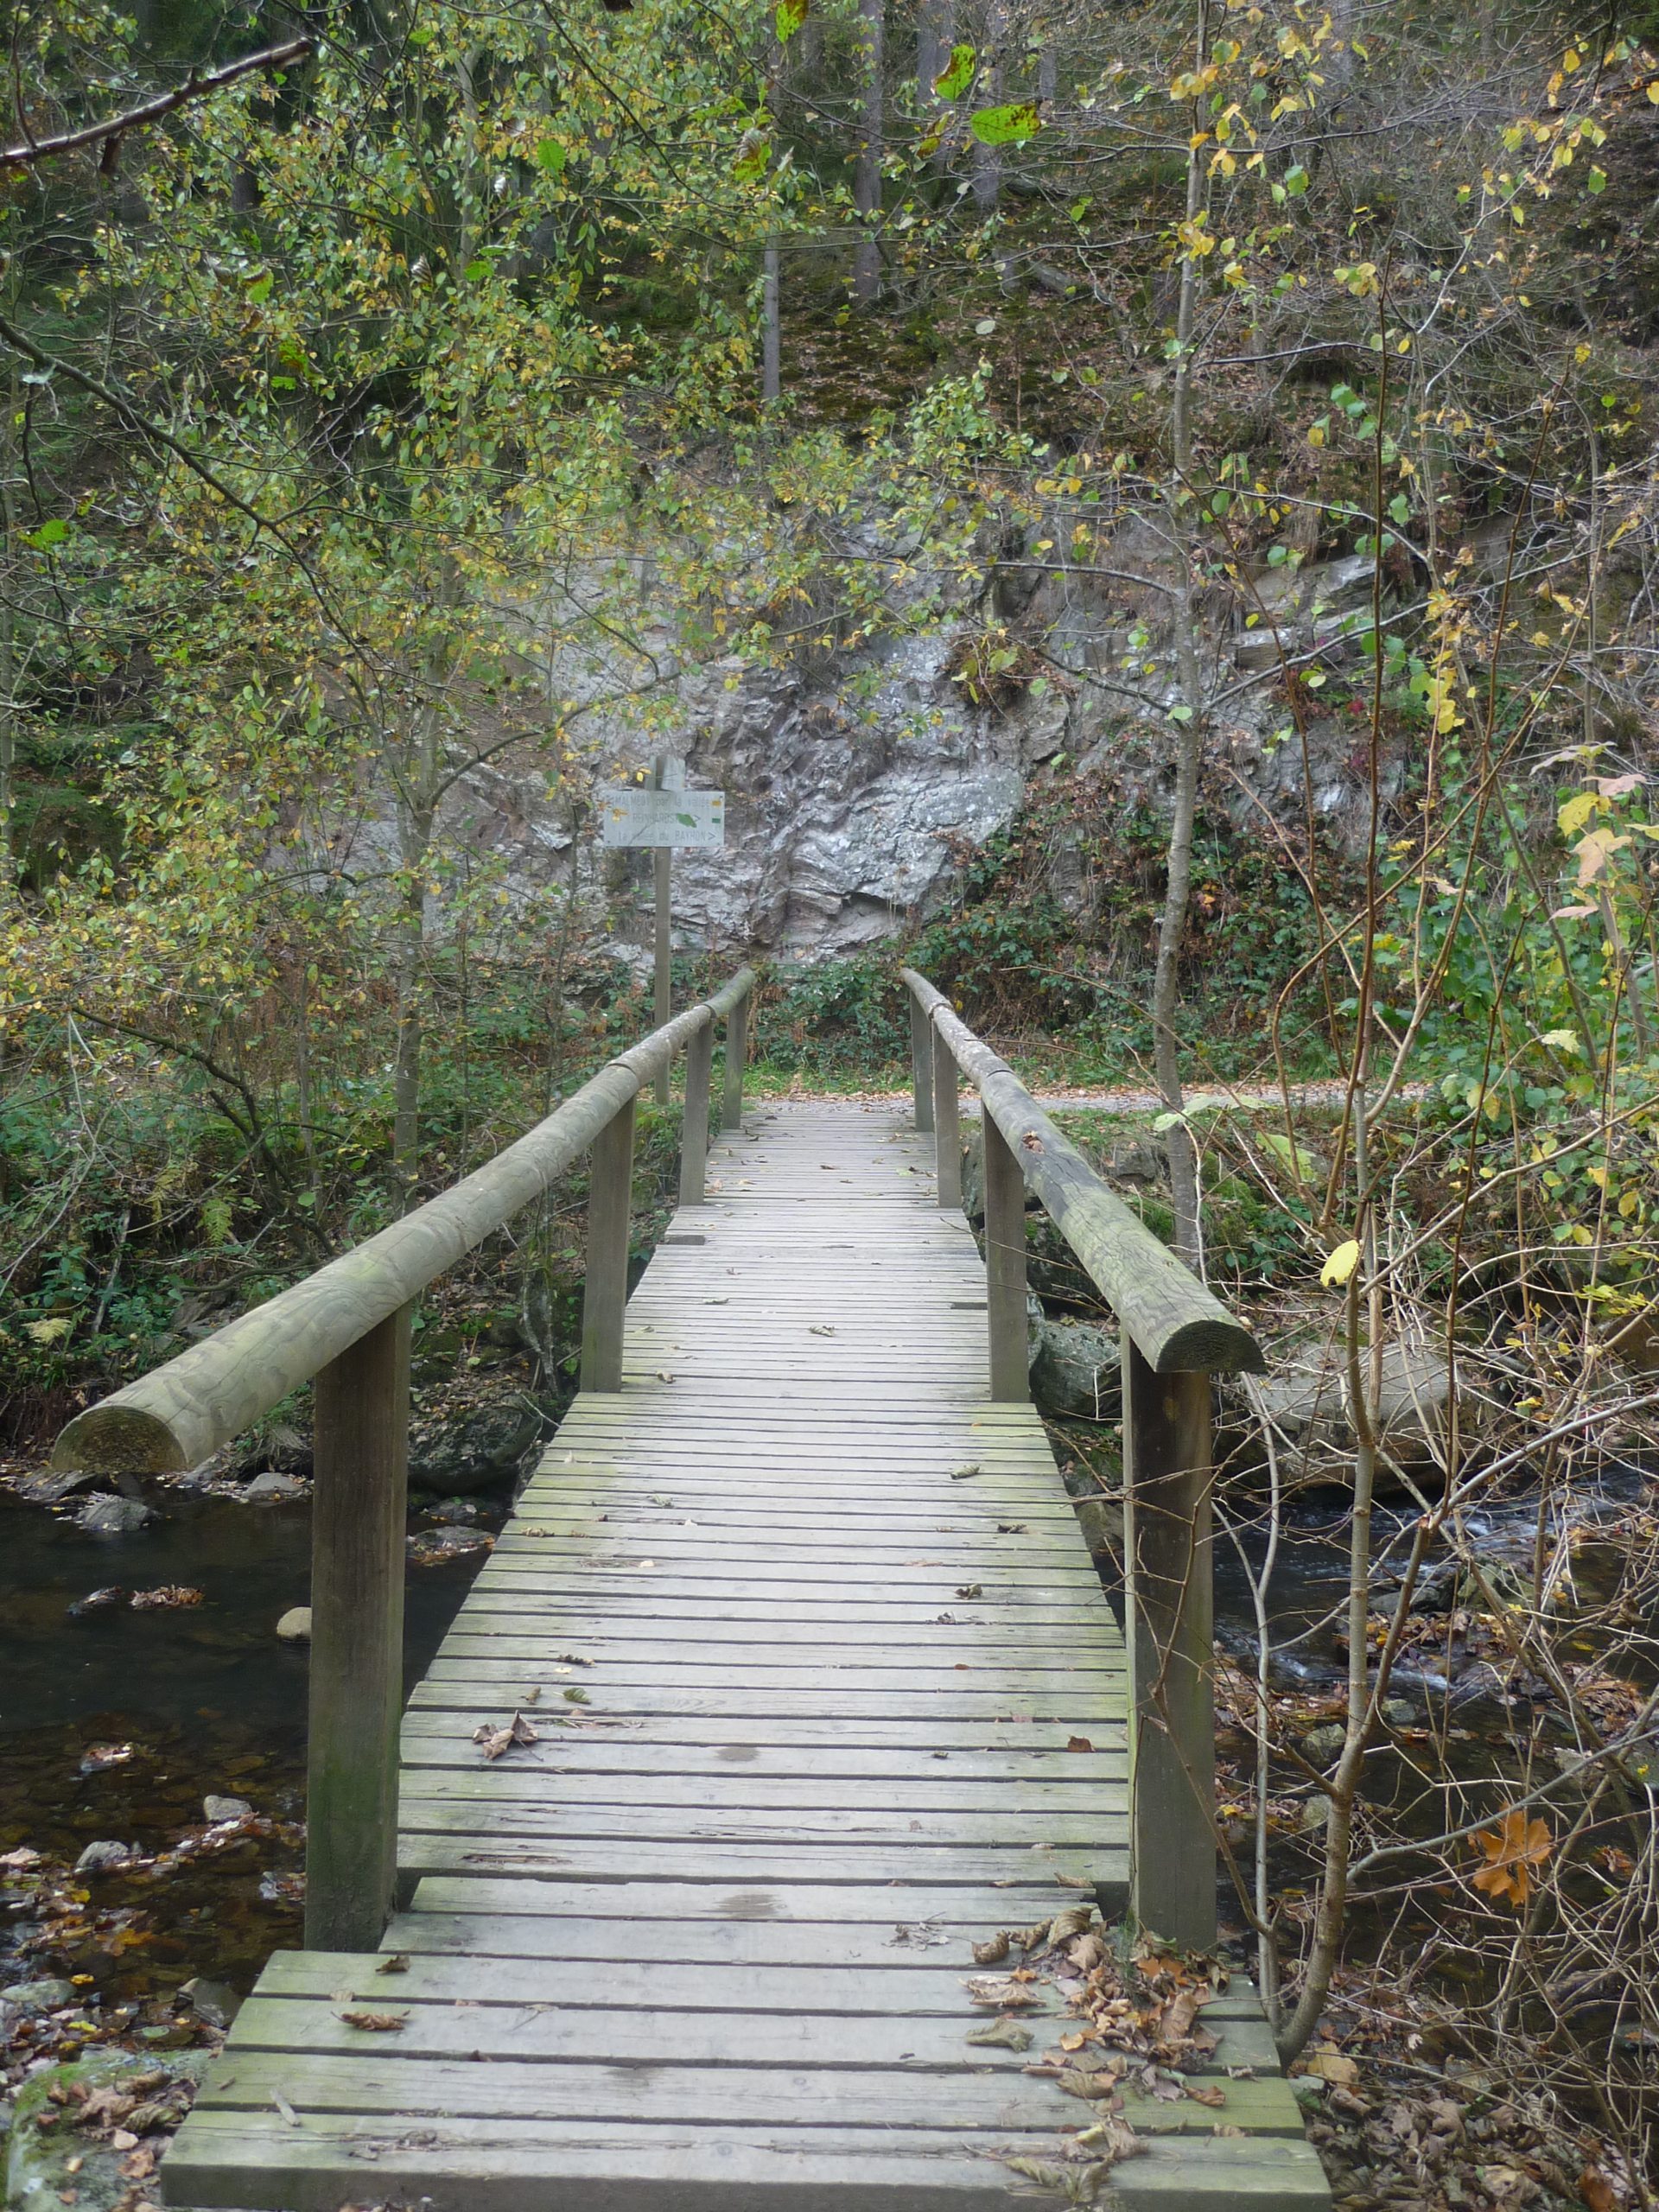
pixel 694 1129
pixel 359 1517
pixel 737 1038
pixel 921 1064
pixel 1170 1604
pixel 610 1195
pixel 947 1123
pixel 1005 1264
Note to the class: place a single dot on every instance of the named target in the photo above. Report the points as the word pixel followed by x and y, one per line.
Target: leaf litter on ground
pixel 1135 2024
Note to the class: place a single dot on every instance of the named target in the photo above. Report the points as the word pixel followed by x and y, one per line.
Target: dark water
pixel 1308 1596
pixel 114 1724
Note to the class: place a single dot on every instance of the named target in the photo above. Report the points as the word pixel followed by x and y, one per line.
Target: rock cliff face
pixel 855 788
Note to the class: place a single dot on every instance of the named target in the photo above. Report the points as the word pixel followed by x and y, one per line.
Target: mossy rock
pixel 37 2159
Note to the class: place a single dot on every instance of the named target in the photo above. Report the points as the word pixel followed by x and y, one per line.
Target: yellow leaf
pixel 1574 812
pixel 1340 1265
pixel 1331 2066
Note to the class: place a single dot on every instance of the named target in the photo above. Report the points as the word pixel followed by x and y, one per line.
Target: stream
pixel 115 1722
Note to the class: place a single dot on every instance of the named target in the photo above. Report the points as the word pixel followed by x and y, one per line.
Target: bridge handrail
pixel 348 1326
pixel 1180 1325
pixel 1175 1334
pixel 179 1415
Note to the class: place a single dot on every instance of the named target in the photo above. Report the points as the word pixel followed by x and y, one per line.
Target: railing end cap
pixel 1214 1346
pixel 112 1439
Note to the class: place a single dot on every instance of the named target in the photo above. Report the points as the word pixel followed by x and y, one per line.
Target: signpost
pixel 661 814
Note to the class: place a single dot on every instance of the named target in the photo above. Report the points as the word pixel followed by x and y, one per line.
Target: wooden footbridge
pixel 789 1683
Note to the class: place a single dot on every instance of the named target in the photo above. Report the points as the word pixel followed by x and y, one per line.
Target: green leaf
pixel 550 156
pixel 1296 181
pixel 1596 181
pixel 689 820
pixel 754 153
pixel 1399 507
pixel 1180 714
pixel 957 75
pixel 1010 125
pixel 791 15
pixel 477 271
pixel 259 287
pixel 53 532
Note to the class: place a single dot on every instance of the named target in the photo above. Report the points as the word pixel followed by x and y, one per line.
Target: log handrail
pixel 347 1326
pixel 1180 1325
pixel 181 1413
pixel 1175 1334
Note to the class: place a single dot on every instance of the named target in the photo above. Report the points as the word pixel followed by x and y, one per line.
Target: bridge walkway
pixel 819 1689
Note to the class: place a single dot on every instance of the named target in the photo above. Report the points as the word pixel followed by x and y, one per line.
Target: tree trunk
pixel 866 167
pixel 772 351
pixel 406 1073
pixel 988 160
pixel 8 648
pixel 1171 931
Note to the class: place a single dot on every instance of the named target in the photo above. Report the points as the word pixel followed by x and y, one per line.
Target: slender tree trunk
pixel 411 990
pixel 866 167
pixel 7 654
pixel 1172 931
pixel 772 358
pixel 771 349
pixel 930 54
pixel 988 160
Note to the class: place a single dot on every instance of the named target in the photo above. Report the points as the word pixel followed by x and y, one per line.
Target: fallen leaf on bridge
pixel 1004 1992
pixel 377 2022
pixel 500 1739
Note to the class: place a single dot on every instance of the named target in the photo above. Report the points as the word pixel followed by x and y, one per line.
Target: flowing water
pixel 115 1721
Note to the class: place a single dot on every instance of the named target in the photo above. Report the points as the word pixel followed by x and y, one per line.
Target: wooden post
pixel 921 1064
pixel 694 1129
pixel 610 1195
pixel 358 1524
pixel 1005 1264
pixel 663 859
pixel 1169 1603
pixel 737 1032
pixel 947 1123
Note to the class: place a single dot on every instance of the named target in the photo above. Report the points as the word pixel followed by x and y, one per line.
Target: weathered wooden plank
pixel 626 1859
pixel 505 2164
pixel 916 1735
pixel 985 2097
pixel 485 1687
pixel 923 1909
pixel 543 2031
pixel 544 1816
pixel 868 1952
pixel 1009 1797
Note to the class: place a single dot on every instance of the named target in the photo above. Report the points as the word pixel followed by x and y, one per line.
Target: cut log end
pixel 113 1439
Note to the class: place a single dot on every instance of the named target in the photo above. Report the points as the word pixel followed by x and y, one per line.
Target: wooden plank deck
pixel 806 1627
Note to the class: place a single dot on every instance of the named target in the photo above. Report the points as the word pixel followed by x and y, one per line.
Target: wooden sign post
pixel 661 814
